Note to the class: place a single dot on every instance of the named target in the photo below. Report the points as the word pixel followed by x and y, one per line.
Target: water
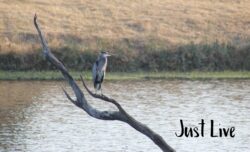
pixel 36 117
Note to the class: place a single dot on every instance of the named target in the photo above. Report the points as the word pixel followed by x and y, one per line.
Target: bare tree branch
pixel 82 103
pixel 103 97
pixel 68 96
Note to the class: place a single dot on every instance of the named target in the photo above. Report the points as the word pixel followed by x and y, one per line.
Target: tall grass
pixel 203 57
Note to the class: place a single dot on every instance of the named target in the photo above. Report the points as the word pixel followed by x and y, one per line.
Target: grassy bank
pixel 195 75
pixel 164 35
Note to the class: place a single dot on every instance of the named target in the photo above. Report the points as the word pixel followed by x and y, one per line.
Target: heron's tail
pixel 97 86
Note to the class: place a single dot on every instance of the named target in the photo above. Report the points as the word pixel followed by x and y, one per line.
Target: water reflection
pixel 35 116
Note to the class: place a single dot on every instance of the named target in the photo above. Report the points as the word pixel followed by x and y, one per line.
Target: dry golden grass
pixel 91 24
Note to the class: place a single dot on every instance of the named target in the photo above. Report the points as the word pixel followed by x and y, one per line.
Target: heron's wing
pixel 94 71
pixel 98 72
pixel 99 76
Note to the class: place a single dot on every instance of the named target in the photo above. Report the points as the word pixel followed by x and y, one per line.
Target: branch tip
pixel 68 96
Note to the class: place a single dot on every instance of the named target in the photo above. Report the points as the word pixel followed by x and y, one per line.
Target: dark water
pixel 36 117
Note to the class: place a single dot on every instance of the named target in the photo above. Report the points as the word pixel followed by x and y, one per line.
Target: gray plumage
pixel 99 70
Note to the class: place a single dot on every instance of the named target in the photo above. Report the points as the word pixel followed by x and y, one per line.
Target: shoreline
pixel 193 75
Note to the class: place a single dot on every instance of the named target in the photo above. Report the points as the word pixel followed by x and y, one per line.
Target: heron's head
pixel 105 54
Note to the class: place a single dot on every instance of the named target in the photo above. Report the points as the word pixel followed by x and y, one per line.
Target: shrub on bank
pixel 204 57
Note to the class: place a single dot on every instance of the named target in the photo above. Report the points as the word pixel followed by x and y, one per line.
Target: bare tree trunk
pixel 82 103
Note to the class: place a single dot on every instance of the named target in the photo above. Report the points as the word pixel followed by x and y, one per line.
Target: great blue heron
pixel 99 70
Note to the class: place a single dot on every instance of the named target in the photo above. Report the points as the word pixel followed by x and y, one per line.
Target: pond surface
pixel 35 116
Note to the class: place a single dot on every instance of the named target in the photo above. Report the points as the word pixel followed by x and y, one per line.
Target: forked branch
pixel 82 103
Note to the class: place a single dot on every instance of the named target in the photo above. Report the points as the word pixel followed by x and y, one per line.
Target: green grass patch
pixel 56 75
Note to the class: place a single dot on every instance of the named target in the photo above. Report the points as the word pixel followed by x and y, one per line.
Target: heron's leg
pixel 101 91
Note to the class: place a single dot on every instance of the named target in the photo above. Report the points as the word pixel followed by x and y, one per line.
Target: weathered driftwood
pixel 82 103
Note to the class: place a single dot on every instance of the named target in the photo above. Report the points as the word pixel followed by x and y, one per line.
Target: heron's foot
pixel 98 92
